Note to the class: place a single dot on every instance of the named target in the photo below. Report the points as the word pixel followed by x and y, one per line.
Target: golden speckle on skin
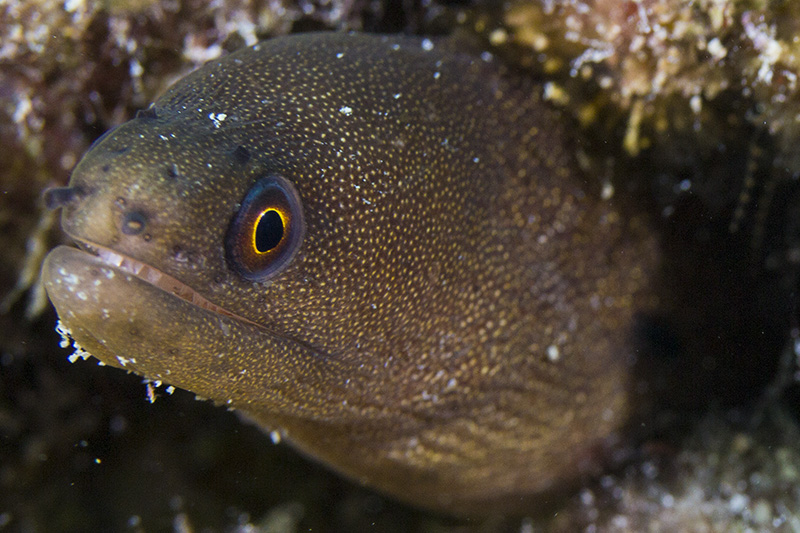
pixel 456 328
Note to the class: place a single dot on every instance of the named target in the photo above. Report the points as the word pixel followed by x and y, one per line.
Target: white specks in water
pixel 696 104
pixel 123 361
pixel 340 55
pixel 395 46
pixel 170 389
pixel 427 45
pixel 151 392
pixel 345 110
pixel 82 295
pixel 217 118
pixel 738 502
pixel 136 69
pixel 668 501
pixel 23 109
pixel 526 526
pixel 275 436
pixel 437 75
pixel 397 96
pixel 487 57
pixel 476 159
pixel 71 6
pixel 607 191
pixel 553 353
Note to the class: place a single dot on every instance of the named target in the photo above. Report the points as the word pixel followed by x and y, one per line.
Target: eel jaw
pixel 131 315
pixel 156 277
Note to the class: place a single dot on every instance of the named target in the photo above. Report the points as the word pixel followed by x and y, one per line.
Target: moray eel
pixel 381 248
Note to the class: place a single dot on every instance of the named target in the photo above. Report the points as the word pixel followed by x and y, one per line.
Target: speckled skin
pixel 456 328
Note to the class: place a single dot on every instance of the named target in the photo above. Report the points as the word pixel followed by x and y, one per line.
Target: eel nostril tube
pixel 61 196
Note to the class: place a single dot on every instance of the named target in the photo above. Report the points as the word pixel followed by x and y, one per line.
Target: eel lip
pixel 155 277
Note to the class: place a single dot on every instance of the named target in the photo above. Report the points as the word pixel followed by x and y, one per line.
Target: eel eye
pixel 265 234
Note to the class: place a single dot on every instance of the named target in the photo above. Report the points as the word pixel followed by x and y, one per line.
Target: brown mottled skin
pixel 456 326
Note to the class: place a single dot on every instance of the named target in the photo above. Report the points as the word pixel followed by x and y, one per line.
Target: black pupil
pixel 269 231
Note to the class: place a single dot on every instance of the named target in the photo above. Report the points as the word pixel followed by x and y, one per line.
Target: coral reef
pixel 727 476
pixel 662 61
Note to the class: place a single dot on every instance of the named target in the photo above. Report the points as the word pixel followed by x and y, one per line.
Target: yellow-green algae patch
pixel 662 61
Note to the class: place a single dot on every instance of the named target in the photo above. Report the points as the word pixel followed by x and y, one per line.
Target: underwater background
pixel 690 108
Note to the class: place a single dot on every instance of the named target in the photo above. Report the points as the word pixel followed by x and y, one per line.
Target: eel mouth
pixel 173 287
pixel 156 278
